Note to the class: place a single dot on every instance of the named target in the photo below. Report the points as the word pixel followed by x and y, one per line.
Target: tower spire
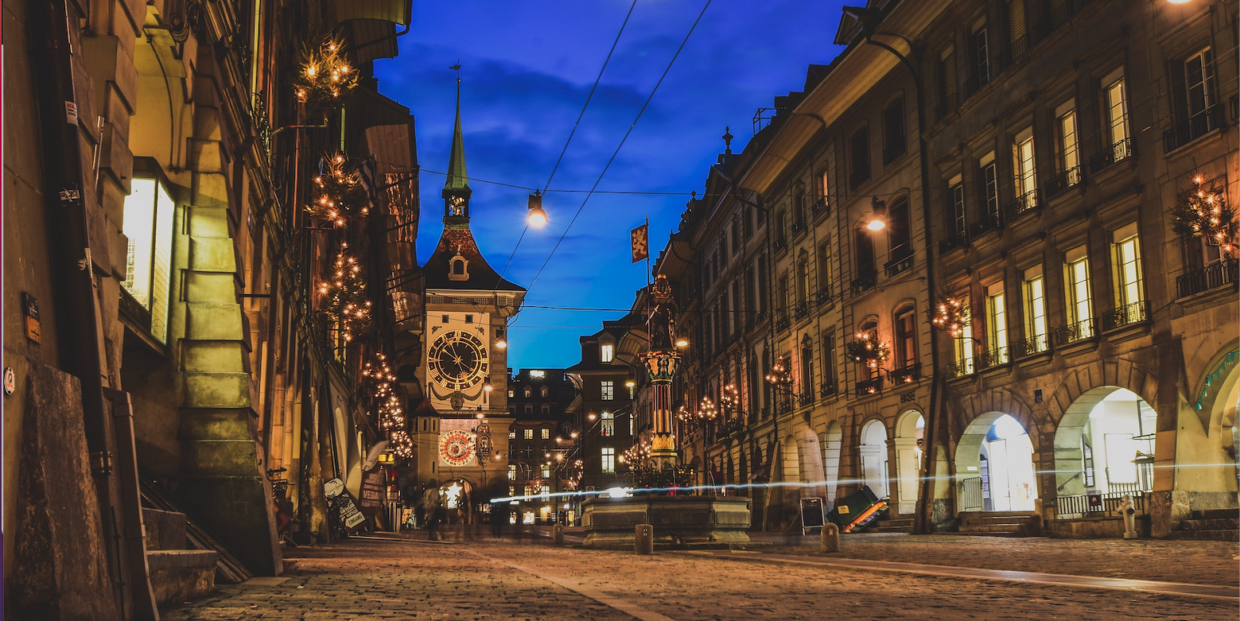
pixel 457 183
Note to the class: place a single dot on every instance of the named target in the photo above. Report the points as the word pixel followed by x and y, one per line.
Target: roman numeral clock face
pixel 457 360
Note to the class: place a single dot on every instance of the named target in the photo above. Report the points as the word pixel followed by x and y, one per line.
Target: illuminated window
pixel 1025 181
pixel 996 317
pixel 607 352
pixel 607 388
pixel 529 434
pixel 148 218
pixel 546 473
pixel 1069 153
pixel 1076 278
pixel 546 434
pixel 608 421
pixel 1126 257
pixel 512 434
pixel 990 185
pixel 544 391
pixel 609 460
pixel 512 473
pixel 964 344
pixel 956 192
pixel 1035 309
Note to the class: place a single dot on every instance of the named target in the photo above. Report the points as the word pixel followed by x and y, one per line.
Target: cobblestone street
pixel 387 577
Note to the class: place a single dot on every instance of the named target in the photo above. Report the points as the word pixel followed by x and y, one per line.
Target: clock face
pixel 456 448
pixel 457 360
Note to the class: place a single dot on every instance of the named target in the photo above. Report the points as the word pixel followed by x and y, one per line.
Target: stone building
pixel 166 341
pixel 541 440
pixel 985 154
pixel 603 414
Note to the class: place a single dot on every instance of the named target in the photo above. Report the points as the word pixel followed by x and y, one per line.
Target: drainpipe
pixel 924 502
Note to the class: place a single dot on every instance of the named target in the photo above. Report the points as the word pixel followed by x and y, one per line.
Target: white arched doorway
pixel 1104 443
pixel 832 445
pixel 874 458
pixel 994 466
pixel 910 431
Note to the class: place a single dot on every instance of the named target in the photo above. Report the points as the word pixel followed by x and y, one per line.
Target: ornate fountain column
pixel 662 360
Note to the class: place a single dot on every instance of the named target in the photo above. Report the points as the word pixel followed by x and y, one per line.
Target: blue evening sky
pixel 527 69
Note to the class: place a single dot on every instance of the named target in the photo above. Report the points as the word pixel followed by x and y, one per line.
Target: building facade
pixel 603 413
pixel 541 442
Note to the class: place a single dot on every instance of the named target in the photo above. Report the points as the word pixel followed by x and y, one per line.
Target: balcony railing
pixel 1078 331
pixel 905 375
pixel 989 222
pixel 820 206
pixel 780 243
pixel 1078 506
pixel 822 297
pixel 993 358
pixel 801 310
pixel 960 368
pixel 1216 274
pixel 870 387
pixel 864 281
pixel 1014 53
pixel 947 104
pixel 901 259
pixel 1117 152
pixel 969 494
pixel 1032 345
pixel 798 226
pixel 781 322
pixel 952 242
pixel 807 397
pixel 1022 204
pixel 1126 315
pixel 829 389
pixel 1193 128
pixel 975 82
pixel 894 151
pixel 1065 180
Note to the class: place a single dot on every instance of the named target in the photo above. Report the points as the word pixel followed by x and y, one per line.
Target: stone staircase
pixel 1213 525
pixel 1000 523
pixel 891 524
pixel 177 574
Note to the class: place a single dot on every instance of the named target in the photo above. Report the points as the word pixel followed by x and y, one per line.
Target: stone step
pixel 181 575
pixel 165 530
pixel 1206 535
pixel 1210 524
pixel 1215 514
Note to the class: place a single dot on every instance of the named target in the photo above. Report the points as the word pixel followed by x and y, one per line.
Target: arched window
pixel 458 267
pixel 546 409
pixel 528 393
pixel 544 391
pixel 529 408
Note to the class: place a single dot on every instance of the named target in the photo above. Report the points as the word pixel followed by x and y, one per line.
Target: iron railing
pixel 869 387
pixel 905 375
pixel 829 389
pixel 993 358
pixel 894 151
pixel 820 206
pixel 1072 333
pixel 801 310
pixel 780 243
pixel 1126 315
pixel 960 368
pixel 1034 345
pixel 988 222
pixel 1117 152
pixel 822 296
pixel 781 322
pixel 952 242
pixel 1078 506
pixel 1193 128
pixel 1022 204
pixel 1014 53
pixel 1064 181
pixel 865 280
pixel 1216 274
pixel 969 494
pixel 902 259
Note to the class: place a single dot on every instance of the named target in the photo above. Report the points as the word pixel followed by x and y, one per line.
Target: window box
pixel 1214 275
pixel 780 243
pixel 801 310
pixel 891 154
pixel 1072 178
pixel 781 322
pixel 822 297
pixel 989 222
pixel 903 260
pixel 798 227
pixel 820 206
pixel 829 389
pixel 1196 126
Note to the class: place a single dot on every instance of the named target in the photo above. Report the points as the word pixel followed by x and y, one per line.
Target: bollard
pixel 830 537
pixel 1130 518
pixel 643 539
pixel 557 534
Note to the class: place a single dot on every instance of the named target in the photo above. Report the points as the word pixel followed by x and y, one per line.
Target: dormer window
pixel 458 267
pixel 607 352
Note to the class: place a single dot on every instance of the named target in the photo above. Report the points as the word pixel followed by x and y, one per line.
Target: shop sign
pixel 332 488
pixel 372 491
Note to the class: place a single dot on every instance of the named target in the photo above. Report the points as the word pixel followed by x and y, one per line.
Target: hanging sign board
pixel 811 514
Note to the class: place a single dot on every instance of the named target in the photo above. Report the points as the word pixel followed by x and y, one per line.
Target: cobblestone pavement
pixel 401 578
pixel 1197 562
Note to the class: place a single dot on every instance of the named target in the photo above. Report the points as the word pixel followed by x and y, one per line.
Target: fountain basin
pixel 678 521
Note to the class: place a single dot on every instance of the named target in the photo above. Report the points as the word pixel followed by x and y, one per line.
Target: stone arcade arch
pixel 810 466
pixel 910 431
pixel 832 445
pixel 1098 442
pixel 873 454
pixel 994 466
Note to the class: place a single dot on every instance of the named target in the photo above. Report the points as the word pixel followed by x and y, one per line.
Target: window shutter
pixel 1016 24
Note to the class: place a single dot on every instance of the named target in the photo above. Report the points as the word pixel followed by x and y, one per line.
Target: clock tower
pixel 461 428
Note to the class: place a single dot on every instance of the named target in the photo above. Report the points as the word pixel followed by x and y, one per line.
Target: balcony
pixel 781 322
pixel 820 206
pixel 1034 345
pixel 993 358
pixel 1117 152
pixel 905 375
pixel 902 259
pixel 801 310
pixel 1079 331
pixel 976 82
pixel 952 242
pixel 798 227
pixel 869 387
pixel 1193 128
pixel 960 368
pixel 1064 181
pixel 1126 315
pixel 864 281
pixel 828 389
pixel 780 243
pixel 989 222
pixel 806 398
pixel 1014 53
pixel 822 297
pixel 1216 274
pixel 1022 205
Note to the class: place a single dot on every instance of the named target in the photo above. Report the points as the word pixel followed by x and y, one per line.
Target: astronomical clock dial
pixel 456 448
pixel 457 360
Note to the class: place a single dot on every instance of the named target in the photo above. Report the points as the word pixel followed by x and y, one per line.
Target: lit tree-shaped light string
pixel 1202 211
pixel 951 315
pixel 868 350
pixel 391 417
pixel 344 296
pixel 326 80
pixel 339 193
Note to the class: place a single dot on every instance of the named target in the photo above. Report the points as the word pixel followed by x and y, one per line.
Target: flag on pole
pixel 641 242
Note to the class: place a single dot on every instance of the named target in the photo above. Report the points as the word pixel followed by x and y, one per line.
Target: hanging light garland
pixel 1202 211
pixel 326 80
pixel 951 315
pixel 390 414
pixel 339 193
pixel 868 350
pixel 345 302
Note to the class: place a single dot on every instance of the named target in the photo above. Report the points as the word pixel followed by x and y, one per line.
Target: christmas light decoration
pixel 339 193
pixel 1202 211
pixel 868 350
pixel 325 80
pixel 951 315
pixel 388 411
pixel 344 296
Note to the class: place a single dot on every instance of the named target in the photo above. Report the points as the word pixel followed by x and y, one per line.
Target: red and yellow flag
pixel 641 242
